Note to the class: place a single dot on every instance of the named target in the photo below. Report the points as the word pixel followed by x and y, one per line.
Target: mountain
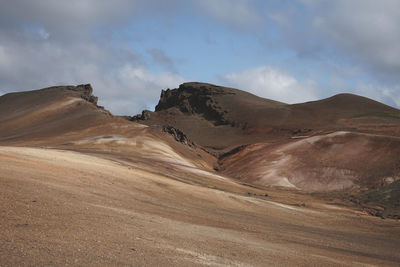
pixel 48 113
pixel 339 143
pixel 68 117
pixel 214 176
pixel 220 119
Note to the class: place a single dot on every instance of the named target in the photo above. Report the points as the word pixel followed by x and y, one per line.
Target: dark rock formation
pixel 87 92
pixel 178 135
pixel 146 114
pixel 195 98
pixel 232 152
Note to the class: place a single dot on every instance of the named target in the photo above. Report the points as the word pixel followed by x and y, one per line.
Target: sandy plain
pixel 62 207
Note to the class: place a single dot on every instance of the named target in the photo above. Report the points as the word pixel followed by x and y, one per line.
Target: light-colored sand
pixel 67 208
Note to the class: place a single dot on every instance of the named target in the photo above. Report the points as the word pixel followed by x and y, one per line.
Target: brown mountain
pixel 48 113
pixel 68 117
pixel 293 185
pixel 342 142
pixel 220 118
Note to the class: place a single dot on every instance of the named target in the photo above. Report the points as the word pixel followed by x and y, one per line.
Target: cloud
pixel 240 14
pixel 272 83
pixel 349 46
pixel 141 88
pixel 124 84
pixel 64 16
pixel 159 57
pixel 45 43
pixel 366 30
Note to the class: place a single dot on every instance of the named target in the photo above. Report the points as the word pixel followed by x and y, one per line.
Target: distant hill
pixel 68 117
pixel 48 113
pixel 214 176
pixel 220 119
pixel 343 143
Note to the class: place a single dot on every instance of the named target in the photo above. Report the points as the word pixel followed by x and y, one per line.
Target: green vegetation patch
pixel 377 114
pixel 387 195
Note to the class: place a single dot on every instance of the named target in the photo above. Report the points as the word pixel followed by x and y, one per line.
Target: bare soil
pixel 81 187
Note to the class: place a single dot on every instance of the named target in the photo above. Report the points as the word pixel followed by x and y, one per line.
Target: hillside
pixel 220 119
pixel 48 113
pixel 345 142
pixel 68 117
pixel 215 176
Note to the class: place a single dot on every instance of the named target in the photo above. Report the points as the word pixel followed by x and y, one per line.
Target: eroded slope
pixel 335 161
pixel 129 194
pixel 66 208
pixel 345 143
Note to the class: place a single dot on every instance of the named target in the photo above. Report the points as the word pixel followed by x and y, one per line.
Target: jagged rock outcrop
pixel 145 115
pixel 196 98
pixel 178 135
pixel 216 118
pixel 87 92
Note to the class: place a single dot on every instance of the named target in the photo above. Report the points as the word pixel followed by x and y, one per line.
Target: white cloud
pixel 124 84
pixel 272 83
pixel 45 43
pixel 141 88
pixel 367 30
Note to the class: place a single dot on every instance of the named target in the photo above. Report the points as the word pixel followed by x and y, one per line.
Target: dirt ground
pixel 60 207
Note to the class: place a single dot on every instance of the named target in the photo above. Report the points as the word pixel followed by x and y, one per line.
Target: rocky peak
pixel 196 98
pixel 86 91
pixel 146 114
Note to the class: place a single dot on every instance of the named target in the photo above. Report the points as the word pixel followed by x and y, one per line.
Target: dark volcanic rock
pixel 178 135
pixel 383 202
pixel 87 93
pixel 146 114
pixel 195 98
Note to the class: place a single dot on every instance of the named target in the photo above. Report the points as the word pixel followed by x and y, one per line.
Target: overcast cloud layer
pixel 290 51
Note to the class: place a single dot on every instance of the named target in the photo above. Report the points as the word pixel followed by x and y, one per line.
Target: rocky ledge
pixel 196 98
pixel 86 91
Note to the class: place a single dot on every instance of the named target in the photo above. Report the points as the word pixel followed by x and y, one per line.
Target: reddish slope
pixel 336 161
pixel 342 142
pixel 141 198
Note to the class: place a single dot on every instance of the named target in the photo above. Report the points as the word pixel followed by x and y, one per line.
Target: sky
pixel 287 50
